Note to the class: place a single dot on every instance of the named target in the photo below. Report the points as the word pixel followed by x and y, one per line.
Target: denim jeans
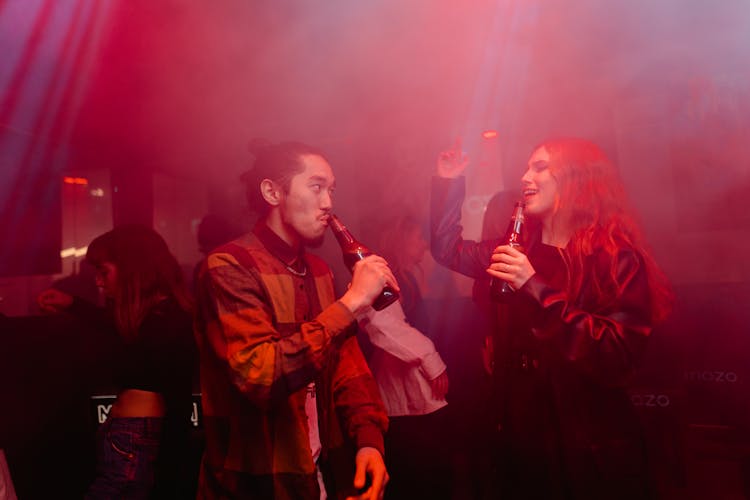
pixel 126 454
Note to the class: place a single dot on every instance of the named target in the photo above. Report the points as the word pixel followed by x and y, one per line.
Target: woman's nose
pixel 526 178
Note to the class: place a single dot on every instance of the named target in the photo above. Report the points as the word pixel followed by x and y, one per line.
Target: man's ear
pixel 270 192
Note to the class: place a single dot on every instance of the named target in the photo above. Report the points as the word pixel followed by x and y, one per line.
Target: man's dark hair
pixel 279 163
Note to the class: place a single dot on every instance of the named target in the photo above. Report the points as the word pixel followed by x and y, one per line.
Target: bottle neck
pixel 516 226
pixel 513 233
pixel 342 234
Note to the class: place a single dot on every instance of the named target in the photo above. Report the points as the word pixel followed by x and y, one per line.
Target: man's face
pixel 306 208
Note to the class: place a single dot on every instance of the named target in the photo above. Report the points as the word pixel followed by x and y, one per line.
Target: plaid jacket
pixel 264 333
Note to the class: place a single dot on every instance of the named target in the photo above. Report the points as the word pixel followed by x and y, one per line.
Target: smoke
pixel 382 86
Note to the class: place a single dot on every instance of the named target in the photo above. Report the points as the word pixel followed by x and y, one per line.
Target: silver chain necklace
pixel 295 272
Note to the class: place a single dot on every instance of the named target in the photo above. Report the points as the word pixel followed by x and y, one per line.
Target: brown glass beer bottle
pixel 500 290
pixel 354 251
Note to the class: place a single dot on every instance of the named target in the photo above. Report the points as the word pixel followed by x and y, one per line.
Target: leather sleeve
pixel 467 257
pixel 605 342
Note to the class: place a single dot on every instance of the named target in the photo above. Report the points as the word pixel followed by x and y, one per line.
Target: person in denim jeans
pixel 148 327
pixel 127 449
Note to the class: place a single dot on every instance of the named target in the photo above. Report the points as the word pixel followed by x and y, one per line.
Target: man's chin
pixel 315 242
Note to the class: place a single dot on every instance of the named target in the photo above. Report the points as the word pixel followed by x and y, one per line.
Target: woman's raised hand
pixel 452 162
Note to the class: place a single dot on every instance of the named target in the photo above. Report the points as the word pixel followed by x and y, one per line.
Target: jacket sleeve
pixel 467 257
pixel 236 321
pixel 388 330
pixel 605 343
pixel 357 398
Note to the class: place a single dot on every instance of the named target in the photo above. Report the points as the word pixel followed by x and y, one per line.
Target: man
pixel 286 390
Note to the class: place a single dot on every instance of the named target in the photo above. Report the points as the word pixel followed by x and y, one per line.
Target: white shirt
pixel 403 362
pixel 311 410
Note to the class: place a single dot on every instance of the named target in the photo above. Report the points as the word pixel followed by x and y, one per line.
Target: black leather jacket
pixel 561 364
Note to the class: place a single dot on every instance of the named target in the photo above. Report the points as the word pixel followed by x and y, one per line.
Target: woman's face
pixel 540 189
pixel 106 278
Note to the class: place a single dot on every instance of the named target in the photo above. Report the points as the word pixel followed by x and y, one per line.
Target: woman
pixel 410 373
pixel 402 243
pixel 142 445
pixel 587 297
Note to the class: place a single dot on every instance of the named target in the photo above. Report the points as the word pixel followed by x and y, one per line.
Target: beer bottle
pixel 354 251
pixel 501 290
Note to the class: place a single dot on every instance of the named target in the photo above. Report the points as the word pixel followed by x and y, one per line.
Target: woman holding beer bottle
pixel 586 295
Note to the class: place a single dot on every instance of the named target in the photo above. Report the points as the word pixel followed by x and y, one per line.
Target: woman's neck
pixel 555 232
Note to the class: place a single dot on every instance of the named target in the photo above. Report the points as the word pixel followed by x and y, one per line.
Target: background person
pixel 142 445
pixel 411 375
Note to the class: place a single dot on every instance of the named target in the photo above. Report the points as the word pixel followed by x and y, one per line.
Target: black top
pixel 161 358
pixel 412 302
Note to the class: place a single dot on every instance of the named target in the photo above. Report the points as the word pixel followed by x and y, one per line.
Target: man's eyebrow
pixel 540 163
pixel 319 178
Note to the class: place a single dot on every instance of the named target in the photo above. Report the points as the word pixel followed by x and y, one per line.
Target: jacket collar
pixel 290 256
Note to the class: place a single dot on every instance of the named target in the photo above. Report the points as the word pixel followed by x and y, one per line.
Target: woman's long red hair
pixel 592 199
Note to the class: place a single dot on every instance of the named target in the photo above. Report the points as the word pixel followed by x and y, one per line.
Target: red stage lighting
pixel 81 181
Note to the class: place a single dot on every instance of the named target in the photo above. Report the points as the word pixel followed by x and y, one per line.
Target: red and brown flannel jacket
pixel 264 333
